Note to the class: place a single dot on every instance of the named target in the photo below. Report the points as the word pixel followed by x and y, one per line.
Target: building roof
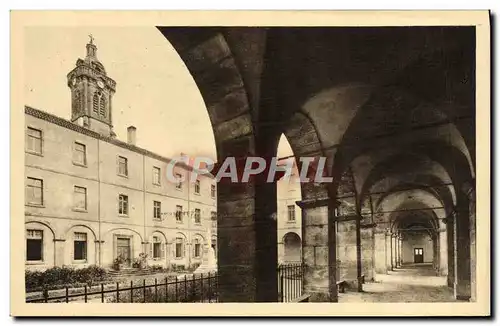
pixel 72 126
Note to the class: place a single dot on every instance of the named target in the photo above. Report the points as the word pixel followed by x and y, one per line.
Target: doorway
pixel 418 255
pixel 123 249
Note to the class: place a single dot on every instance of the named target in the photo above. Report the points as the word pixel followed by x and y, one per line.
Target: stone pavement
pixel 411 283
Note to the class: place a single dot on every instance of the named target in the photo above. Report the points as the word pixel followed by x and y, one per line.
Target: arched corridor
pixel 391 110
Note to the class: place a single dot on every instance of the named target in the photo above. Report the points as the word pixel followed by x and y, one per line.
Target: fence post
pixel 176 290
pixel 156 290
pixel 201 290
pixel 102 292
pixel 85 289
pixel 193 289
pixel 185 287
pixel 45 293
pixel 144 290
pixel 67 293
pixel 131 291
pixel 166 289
pixel 281 285
pixel 117 292
pixel 209 288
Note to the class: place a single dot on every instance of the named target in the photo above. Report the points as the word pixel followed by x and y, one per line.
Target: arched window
pixel 95 103
pixel 102 106
pixel 76 101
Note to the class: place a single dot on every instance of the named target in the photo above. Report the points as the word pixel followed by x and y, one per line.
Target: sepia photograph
pixel 258 157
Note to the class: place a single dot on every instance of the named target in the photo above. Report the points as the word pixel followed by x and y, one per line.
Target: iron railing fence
pixel 290 281
pixel 187 288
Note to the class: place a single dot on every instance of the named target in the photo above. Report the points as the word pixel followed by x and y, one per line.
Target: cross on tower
pixel 91 39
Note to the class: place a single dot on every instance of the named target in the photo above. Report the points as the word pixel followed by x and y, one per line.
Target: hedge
pixel 62 276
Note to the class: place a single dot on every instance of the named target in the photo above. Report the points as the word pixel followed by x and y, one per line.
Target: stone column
pixel 388 250
pixel 401 258
pixel 319 249
pixel 443 249
pixel 380 249
pixel 394 250
pixel 368 250
pixel 398 252
pixel 247 261
pixel 450 235
pixel 435 257
pixel 462 286
pixel 346 241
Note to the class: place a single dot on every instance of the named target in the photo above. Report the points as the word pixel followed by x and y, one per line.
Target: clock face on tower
pixel 100 83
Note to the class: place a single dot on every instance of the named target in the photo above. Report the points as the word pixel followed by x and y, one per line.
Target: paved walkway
pixel 411 283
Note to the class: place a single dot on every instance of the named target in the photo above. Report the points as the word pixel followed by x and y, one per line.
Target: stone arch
pixel 122 241
pixel 48 248
pixel 91 246
pixel 126 229
pixel 292 247
pixel 84 226
pixel 227 91
pixel 198 240
pixel 158 252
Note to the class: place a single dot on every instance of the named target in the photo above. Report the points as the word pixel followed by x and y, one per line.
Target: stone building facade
pixel 91 198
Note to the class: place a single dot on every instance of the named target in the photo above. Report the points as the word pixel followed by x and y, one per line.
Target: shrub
pixel 158 268
pixel 194 266
pixel 63 276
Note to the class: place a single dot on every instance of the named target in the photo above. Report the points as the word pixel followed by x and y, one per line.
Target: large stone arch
pixel 243 244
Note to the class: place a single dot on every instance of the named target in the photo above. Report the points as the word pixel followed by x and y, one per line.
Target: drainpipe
pixel 99 240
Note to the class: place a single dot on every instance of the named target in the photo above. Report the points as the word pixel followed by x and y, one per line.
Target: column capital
pixel 316 202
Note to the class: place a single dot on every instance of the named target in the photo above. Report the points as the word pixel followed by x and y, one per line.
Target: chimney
pixel 131 135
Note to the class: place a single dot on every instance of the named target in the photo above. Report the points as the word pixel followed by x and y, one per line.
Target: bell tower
pixel 92 93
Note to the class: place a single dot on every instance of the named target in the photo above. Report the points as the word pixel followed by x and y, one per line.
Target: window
pixel 80 246
pixel 179 247
pixel 122 166
pixel 102 106
pixel 156 209
pixel 80 154
pixel 34 245
pixel 34 140
pixel 197 215
pixel 157 252
pixel 212 191
pixel 178 213
pixel 156 175
pixel 178 176
pixel 213 217
pixel 34 191
pixel 80 198
pixel 197 248
pixel 291 213
pixel 197 187
pixel 95 103
pixel 123 205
